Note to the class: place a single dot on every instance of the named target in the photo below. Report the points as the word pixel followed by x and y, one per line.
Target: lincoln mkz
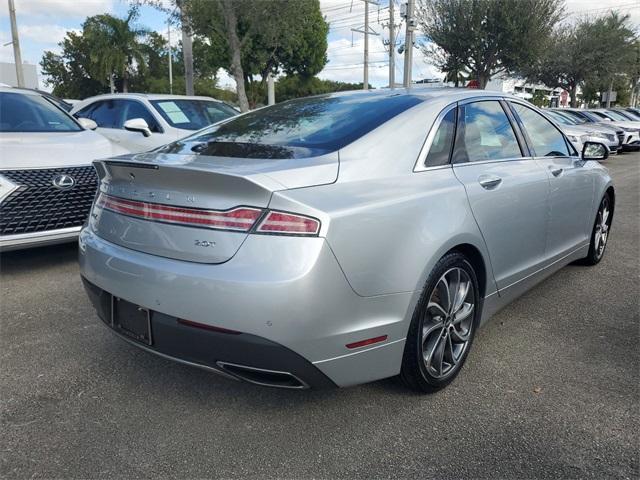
pixel 343 238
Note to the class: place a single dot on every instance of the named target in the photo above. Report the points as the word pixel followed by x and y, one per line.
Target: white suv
pixel 47 181
pixel 142 122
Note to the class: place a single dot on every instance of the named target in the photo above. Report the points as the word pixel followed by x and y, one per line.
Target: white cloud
pixel 47 34
pixel 69 9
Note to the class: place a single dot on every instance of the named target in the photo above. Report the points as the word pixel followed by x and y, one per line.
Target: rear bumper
pixel 241 356
pixel 284 292
pixel 38 239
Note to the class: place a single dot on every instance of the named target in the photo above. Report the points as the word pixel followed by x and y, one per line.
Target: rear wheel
pixel 600 233
pixel 443 325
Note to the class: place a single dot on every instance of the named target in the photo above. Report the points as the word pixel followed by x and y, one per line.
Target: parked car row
pixel 625 123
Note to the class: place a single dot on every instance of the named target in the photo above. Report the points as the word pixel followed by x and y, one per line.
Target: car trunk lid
pixel 194 208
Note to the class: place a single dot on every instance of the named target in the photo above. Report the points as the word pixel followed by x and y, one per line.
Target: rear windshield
pixel 192 114
pixel 21 112
pixel 297 128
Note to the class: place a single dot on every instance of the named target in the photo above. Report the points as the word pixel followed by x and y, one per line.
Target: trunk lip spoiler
pixel 125 163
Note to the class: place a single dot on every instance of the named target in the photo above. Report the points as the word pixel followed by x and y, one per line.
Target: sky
pixel 42 24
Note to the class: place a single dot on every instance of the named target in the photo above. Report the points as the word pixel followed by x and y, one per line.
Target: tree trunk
pixel 573 93
pixel 483 79
pixel 125 81
pixel 112 85
pixel 231 23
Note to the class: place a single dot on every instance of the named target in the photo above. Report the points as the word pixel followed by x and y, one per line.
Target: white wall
pixel 8 74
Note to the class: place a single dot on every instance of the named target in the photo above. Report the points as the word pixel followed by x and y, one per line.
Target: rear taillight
pixel 288 224
pixel 239 219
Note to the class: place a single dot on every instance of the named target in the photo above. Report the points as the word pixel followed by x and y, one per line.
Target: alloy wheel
pixel 448 322
pixel 602 228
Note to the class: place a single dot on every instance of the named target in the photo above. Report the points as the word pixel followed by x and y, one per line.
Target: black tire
pixel 418 372
pixel 596 248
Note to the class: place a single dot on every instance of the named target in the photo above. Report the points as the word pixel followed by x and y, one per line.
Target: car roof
pixel 22 91
pixel 149 96
pixel 424 92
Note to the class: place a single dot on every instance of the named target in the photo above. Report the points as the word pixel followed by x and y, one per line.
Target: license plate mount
pixel 131 320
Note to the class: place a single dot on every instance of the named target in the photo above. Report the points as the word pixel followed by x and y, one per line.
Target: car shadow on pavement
pixel 29 260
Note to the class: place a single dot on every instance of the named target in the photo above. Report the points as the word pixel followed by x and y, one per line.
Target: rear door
pixel 507 190
pixel 571 185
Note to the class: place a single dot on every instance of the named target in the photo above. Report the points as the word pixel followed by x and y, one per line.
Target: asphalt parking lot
pixel 551 390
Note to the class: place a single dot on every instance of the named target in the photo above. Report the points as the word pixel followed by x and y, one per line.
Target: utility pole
pixel 187 49
pixel 271 90
pixel 392 45
pixel 170 56
pixel 365 81
pixel 17 57
pixel 366 30
pixel 408 43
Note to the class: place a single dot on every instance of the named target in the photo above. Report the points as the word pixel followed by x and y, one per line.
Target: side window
pixel 442 141
pixel 137 110
pixel 106 114
pixel 546 139
pixel 485 133
pixel 85 112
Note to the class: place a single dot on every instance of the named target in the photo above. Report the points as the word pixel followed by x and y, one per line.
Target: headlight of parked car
pixel 629 129
pixel 601 135
pixel 6 187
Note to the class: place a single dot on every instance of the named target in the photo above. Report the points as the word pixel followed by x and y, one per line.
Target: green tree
pixel 486 37
pixel 69 73
pixel 116 46
pixel 262 37
pixel 592 52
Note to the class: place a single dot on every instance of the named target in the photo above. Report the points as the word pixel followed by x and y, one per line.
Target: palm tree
pixel 115 46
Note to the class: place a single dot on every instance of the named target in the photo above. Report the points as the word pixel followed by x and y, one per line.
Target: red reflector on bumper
pixel 368 341
pixel 204 326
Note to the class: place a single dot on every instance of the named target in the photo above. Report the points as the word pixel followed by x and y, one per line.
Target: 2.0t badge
pixel 63 181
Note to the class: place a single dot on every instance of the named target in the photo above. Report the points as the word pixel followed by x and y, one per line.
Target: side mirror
pixel 87 123
pixel 137 125
pixel 594 151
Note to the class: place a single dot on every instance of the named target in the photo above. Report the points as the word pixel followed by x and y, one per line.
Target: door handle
pixel 489 182
pixel 556 172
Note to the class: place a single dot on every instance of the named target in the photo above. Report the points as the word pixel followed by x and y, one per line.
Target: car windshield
pixel 297 128
pixel 192 114
pixel 631 115
pixel 616 116
pixel 622 116
pixel 21 112
pixel 603 115
pixel 578 117
pixel 558 117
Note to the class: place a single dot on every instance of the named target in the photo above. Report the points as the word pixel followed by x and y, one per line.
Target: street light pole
pixel 17 57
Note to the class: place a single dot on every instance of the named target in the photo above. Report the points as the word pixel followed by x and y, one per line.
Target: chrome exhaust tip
pixel 264 377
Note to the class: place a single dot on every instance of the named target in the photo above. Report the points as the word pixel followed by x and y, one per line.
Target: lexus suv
pixel 47 181
pixel 342 238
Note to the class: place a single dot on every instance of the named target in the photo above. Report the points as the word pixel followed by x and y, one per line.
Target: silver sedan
pixel 343 238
